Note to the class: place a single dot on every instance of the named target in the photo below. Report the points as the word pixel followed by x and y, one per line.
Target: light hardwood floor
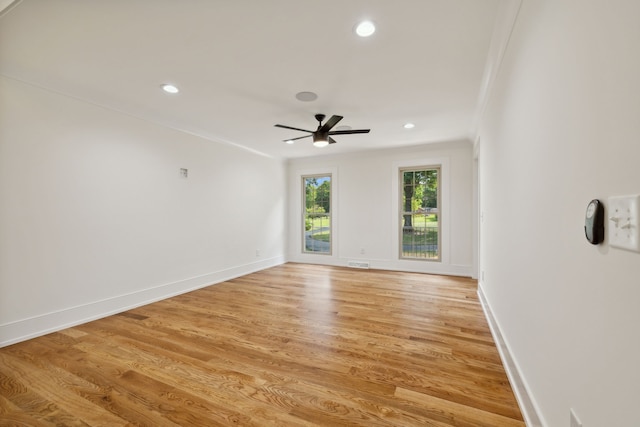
pixel 294 345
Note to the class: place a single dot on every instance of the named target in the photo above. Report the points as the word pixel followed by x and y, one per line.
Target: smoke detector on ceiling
pixel 306 96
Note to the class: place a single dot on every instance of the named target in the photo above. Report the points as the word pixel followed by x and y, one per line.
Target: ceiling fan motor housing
pixel 322 135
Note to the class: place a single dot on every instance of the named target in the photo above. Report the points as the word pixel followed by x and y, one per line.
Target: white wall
pixel 562 128
pixel 94 216
pixel 364 212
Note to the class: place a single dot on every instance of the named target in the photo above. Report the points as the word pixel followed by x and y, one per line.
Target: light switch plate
pixel 624 222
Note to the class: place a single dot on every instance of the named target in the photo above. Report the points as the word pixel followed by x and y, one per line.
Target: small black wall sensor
pixel 594 222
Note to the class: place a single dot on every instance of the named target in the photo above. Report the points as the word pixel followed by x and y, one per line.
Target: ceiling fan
pixel 322 135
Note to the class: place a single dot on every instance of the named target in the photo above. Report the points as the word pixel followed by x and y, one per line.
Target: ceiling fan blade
pixel 295 139
pixel 329 124
pixel 332 141
pixel 347 132
pixel 292 128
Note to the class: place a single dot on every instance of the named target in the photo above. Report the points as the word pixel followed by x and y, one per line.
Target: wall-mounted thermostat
pixel 624 222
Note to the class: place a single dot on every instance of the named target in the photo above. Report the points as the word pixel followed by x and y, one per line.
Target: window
pixel 419 213
pixel 317 214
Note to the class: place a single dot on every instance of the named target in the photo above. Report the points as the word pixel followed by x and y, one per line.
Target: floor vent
pixel 358 264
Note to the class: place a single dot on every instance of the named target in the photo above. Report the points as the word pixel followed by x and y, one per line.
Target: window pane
pixel 420 222
pixel 317 214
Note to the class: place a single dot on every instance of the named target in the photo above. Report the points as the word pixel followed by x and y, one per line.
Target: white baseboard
pixel 24 329
pixel 525 400
pixel 426 267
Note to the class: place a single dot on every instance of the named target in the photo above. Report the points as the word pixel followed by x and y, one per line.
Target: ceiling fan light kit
pixel 322 135
pixel 320 141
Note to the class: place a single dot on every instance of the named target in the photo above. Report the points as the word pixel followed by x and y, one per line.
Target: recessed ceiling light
pixel 289 141
pixel 409 125
pixel 169 88
pixel 306 96
pixel 365 28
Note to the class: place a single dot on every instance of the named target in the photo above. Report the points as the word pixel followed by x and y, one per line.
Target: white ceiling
pixel 239 64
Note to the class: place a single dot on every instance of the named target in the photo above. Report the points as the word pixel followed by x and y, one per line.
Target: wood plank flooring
pixel 294 345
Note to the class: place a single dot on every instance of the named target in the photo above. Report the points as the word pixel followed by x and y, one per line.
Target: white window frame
pixel 444 212
pixel 303 212
pixel 298 216
pixel 401 211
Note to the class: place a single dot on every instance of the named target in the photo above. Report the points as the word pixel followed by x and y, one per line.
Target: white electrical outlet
pixel 624 222
pixel 257 252
pixel 573 419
